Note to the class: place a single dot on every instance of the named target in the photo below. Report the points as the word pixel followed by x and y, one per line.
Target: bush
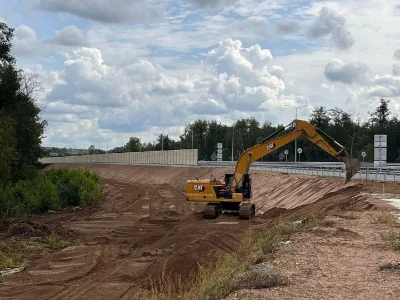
pixel 76 187
pixel 50 191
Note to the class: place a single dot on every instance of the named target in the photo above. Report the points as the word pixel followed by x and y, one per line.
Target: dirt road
pixel 145 228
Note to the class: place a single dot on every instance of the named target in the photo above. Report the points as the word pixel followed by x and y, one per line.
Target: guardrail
pixel 334 169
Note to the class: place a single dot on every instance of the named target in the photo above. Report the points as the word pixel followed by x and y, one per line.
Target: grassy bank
pixel 17 250
pixel 232 270
pixel 50 190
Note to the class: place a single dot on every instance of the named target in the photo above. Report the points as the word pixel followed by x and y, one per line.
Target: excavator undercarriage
pixel 235 193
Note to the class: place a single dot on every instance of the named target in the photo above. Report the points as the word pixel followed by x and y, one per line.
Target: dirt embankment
pixel 145 228
pixel 269 189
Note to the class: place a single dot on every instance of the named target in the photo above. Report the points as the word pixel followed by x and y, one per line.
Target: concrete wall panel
pixel 168 157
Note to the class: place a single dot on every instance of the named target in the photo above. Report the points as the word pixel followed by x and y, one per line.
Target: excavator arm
pixel 270 144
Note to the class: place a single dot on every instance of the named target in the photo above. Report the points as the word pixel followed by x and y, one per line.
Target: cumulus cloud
pixel 25 42
pixel 119 11
pixel 141 95
pixel 384 86
pixel 330 23
pixel 210 3
pixel 69 36
pixel 287 26
pixel 352 72
pixel 242 78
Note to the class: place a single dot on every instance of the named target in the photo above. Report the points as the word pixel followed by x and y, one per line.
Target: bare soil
pixel 145 229
pixel 344 257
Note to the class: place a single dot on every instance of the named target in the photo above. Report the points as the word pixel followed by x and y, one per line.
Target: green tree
pixel 380 118
pixel 6 35
pixel 18 103
pixel 91 149
pixel 133 145
pixel 7 147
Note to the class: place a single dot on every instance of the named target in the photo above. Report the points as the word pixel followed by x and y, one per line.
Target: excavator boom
pixel 301 128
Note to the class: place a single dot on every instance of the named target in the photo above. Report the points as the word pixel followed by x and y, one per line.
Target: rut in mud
pixel 145 228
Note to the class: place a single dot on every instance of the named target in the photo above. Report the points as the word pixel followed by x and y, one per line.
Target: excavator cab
pixel 243 187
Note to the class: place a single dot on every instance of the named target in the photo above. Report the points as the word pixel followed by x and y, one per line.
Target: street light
pixel 295 141
pixel 233 131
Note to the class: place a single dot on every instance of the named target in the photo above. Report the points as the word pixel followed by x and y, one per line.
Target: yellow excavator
pixel 236 192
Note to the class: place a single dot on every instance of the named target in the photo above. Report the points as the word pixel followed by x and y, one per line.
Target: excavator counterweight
pixel 235 193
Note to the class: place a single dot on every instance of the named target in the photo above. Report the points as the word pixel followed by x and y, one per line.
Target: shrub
pixel 76 187
pixel 50 191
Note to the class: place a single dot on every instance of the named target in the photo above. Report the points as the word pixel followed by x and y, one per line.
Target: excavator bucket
pixel 352 166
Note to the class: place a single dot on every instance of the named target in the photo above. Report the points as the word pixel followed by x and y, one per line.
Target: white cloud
pixel 143 95
pixel 136 76
pixel 119 11
pixel 25 42
pixel 396 63
pixel 69 36
pixel 287 26
pixel 330 23
pixel 352 72
pixel 210 3
pixel 384 86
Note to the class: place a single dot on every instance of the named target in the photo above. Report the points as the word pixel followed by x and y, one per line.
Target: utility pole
pixel 192 138
pixel 162 142
pixel 295 141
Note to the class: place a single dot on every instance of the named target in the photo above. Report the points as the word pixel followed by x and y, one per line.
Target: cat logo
pixel 271 146
pixel 199 187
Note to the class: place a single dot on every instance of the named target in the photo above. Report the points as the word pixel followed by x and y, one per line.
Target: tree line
pixel 353 133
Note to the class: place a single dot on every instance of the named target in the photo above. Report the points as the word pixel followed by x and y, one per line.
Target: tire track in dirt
pixel 144 224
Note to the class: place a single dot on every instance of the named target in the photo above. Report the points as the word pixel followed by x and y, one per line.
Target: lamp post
pixel 233 131
pixel 295 141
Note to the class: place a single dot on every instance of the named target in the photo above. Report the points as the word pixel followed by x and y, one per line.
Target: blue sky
pixel 114 69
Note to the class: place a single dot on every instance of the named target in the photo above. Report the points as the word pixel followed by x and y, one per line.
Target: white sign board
pixel 299 150
pixel 380 151
pixel 380 154
pixel 380 140
pixel 286 151
pixel 219 151
pixel 363 154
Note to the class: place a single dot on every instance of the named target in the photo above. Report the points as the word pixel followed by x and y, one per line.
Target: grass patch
pixel 350 215
pixel 384 218
pixel 54 241
pixel 393 240
pixel 10 259
pixel 18 250
pixel 51 190
pixel 231 271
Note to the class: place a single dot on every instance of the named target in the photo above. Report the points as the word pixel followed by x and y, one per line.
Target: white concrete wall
pixel 186 157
